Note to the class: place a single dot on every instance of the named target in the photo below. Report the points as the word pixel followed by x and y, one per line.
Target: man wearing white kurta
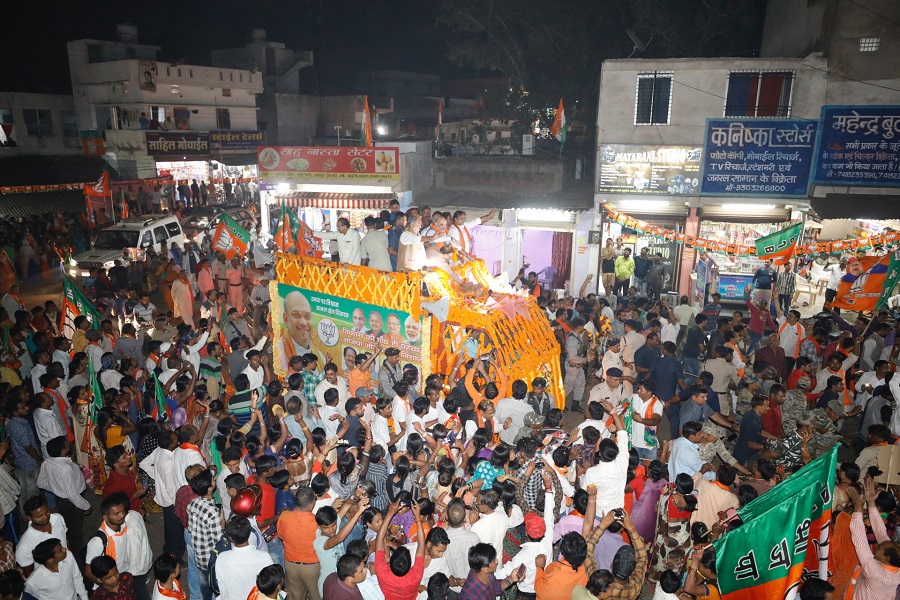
pixel 347 240
pixel 609 476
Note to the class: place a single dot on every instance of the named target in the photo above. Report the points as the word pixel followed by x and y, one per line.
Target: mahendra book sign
pixel 339 329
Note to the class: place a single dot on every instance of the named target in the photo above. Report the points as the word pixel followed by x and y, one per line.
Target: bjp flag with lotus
pixel 868 282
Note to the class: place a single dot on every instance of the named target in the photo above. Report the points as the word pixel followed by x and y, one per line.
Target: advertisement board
pixel 236 140
pixel 300 163
pixel 337 329
pixel 627 169
pixel 757 157
pixel 731 287
pixel 178 143
pixel 859 145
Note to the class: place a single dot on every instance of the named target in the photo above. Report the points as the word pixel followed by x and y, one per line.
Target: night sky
pixel 346 35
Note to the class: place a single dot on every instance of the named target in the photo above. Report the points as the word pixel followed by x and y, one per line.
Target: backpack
pixel 221 546
pixel 104 539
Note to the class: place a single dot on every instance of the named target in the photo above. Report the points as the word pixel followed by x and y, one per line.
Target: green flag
pixel 893 276
pixel 780 536
pixel 75 304
pixel 96 394
pixel 779 247
pixel 160 409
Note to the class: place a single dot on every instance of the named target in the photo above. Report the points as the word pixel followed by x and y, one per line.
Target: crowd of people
pixel 370 480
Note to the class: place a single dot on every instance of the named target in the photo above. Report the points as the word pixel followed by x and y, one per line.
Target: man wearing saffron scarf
pixel 123 537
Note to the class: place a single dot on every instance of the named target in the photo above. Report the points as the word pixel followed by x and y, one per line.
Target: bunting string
pixel 878 241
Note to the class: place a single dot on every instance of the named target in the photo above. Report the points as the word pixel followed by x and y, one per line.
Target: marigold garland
pixel 515 327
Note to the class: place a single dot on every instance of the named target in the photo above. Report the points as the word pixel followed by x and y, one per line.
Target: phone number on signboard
pixel 744 187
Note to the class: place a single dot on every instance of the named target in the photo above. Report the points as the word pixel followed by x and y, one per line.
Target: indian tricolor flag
pixel 780 246
pixel 367 140
pixel 230 238
pixel 75 304
pixel 558 129
pixel 784 535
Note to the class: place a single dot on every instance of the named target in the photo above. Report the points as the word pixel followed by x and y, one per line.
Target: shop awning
pixel 737 213
pixel 341 201
pixel 575 199
pixel 856 206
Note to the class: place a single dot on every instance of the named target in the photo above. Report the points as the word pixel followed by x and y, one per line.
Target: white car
pixel 134 235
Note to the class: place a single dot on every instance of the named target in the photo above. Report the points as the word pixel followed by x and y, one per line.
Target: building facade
pixel 144 105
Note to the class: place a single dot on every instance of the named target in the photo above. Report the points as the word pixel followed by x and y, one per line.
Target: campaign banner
pixel 178 143
pixel 757 157
pixel 301 163
pixel 627 169
pixel 225 141
pixel 859 145
pixel 338 329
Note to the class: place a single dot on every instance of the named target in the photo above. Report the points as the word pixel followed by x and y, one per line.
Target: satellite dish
pixel 639 46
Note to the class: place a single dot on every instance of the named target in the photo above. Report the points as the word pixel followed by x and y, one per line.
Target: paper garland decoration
pixel 889 238
pixel 65 187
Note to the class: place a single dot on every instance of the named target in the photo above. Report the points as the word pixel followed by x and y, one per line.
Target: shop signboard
pixel 628 169
pixel 245 141
pixel 335 327
pixel 731 287
pixel 188 145
pixel 757 157
pixel 859 146
pixel 287 164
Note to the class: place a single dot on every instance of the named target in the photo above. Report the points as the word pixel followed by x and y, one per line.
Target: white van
pixel 146 231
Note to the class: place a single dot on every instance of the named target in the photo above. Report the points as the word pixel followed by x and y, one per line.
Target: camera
pixel 618 514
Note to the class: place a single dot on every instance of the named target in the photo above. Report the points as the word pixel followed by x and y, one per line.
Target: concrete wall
pixel 293 120
pixel 416 166
pixel 699 91
pixel 116 83
pixel 499 175
pixel 792 28
pixel 58 143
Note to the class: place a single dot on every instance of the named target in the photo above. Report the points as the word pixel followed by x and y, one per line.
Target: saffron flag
pixel 100 187
pixel 784 536
pixel 284 237
pixel 558 129
pixel 96 395
pixel 230 238
pixel 865 285
pixel 124 201
pixel 307 244
pixel 780 246
pixel 75 304
pixel 367 140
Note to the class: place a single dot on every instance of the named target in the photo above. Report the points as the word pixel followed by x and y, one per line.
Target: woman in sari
pixel 112 429
pixel 673 527
pixel 79 401
pixel 643 511
pixel 169 277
